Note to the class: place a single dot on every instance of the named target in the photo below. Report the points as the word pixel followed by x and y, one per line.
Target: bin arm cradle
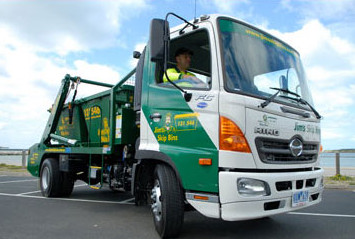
pixel 57 107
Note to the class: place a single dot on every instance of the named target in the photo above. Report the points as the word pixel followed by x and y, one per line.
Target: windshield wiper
pixel 271 98
pixel 318 116
pixel 298 99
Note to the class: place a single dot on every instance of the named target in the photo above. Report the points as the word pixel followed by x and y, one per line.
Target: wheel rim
pixel 45 178
pixel 156 198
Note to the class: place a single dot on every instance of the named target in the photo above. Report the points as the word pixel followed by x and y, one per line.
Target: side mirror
pixel 136 54
pixel 158 38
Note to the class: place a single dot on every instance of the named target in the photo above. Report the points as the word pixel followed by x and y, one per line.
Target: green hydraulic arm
pixel 58 107
pixel 56 110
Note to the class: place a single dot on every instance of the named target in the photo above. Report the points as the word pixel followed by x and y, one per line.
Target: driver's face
pixel 183 61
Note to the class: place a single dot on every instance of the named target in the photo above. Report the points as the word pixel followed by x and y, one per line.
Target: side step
pixel 95 172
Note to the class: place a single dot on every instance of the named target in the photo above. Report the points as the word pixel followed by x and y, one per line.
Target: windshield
pixel 255 62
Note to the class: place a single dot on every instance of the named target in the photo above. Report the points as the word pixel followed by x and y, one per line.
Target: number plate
pixel 300 198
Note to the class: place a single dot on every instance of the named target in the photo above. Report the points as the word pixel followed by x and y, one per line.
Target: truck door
pixel 186 132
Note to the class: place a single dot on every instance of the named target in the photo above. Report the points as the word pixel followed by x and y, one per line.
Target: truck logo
pixel 205 97
pixel 296 147
pixel 202 105
pixel 267 131
pixel 267 120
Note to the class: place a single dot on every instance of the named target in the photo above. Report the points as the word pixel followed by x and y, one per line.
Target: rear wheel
pixel 54 183
pixel 167 202
pixel 50 180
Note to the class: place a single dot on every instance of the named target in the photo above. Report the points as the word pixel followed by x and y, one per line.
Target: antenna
pixel 195 11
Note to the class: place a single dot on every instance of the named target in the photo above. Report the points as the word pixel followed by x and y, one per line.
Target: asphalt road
pixel 101 213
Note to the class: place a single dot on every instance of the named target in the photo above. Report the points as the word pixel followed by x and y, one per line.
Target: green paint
pixel 180 133
pixel 232 26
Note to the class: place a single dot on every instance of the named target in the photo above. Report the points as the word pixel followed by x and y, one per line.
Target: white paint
pixel 38 191
pixel 125 202
pixel 29 192
pixel 321 214
pixel 18 181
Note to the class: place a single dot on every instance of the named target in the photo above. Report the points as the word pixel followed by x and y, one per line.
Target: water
pixel 346 160
pixel 326 159
pixel 12 159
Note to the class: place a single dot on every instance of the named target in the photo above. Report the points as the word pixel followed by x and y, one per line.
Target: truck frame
pixel 244 146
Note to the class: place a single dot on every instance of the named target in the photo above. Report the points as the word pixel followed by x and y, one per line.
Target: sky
pixel 42 40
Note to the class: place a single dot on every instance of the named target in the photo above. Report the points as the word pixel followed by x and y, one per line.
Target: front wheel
pixel 167 202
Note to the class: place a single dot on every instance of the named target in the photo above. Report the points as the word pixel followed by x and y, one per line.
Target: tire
pixel 54 183
pixel 50 179
pixel 167 202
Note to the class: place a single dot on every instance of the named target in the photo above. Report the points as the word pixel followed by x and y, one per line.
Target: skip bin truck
pixel 243 146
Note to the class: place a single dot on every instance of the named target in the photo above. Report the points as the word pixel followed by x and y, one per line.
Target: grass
pixel 12 168
pixel 340 177
pixel 340 180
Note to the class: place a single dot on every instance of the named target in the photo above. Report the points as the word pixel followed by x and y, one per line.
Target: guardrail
pixel 340 158
pixel 23 152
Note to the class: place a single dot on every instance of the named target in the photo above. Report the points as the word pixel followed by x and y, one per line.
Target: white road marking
pixel 321 214
pixel 29 192
pixel 80 185
pixel 75 186
pixel 66 199
pixel 19 181
pixel 3 175
pixel 128 200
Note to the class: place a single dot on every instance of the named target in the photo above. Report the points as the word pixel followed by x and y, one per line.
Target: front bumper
pixel 234 206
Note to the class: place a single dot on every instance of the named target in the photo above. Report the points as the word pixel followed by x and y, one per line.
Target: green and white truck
pixel 244 145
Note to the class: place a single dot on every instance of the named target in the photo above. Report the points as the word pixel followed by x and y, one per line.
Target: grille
pixel 276 151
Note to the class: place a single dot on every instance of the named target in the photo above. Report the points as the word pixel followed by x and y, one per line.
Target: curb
pixel 334 186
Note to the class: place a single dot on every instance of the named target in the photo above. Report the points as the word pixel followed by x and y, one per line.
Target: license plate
pixel 300 198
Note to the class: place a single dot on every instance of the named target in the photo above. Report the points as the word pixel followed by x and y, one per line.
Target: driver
pixel 179 74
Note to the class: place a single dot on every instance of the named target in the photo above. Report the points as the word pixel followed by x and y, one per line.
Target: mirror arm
pixel 187 96
pixel 182 19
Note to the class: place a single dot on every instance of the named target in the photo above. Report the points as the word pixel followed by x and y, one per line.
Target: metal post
pixel 337 163
pixel 23 158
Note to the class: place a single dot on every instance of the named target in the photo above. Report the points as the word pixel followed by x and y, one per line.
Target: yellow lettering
pixel 172 137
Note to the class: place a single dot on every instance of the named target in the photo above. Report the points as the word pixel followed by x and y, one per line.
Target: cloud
pixel 36 37
pixel 95 72
pixel 67 26
pixel 338 15
pixel 30 88
pixel 321 9
pixel 226 6
pixel 27 113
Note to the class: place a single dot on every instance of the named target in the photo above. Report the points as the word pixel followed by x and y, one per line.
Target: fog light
pixel 252 187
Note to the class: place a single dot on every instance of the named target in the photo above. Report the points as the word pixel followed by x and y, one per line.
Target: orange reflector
pixel 200 197
pixel 203 161
pixel 321 149
pixel 231 137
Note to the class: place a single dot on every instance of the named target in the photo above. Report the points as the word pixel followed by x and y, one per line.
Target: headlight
pixel 252 187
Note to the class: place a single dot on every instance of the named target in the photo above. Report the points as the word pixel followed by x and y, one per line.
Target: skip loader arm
pixel 56 110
